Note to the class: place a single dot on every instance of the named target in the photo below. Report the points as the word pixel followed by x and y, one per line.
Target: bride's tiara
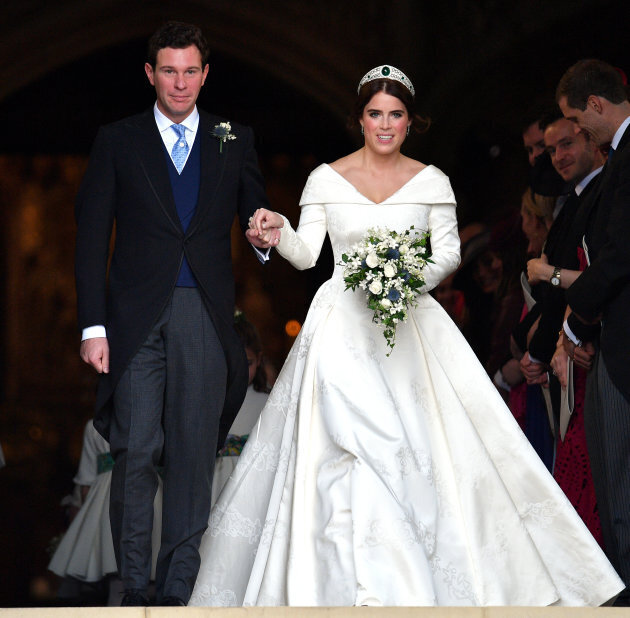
pixel 386 71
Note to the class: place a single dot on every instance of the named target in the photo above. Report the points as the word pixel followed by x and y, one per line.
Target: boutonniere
pixel 222 132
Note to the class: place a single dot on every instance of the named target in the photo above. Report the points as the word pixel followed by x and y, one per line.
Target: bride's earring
pixel 408 127
pixel 362 132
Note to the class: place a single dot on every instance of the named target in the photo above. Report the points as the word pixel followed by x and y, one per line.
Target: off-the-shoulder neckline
pixel 389 196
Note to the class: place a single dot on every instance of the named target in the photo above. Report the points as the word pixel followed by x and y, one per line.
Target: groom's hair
pixel 178 35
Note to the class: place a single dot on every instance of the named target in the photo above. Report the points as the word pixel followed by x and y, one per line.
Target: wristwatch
pixel 555 277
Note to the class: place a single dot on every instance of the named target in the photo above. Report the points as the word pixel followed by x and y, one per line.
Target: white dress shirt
pixel 169 137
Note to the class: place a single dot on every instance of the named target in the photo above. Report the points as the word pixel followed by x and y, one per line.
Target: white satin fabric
pixel 405 480
pixel 242 425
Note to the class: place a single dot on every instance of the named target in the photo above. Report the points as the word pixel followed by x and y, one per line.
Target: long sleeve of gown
pixel 444 245
pixel 302 247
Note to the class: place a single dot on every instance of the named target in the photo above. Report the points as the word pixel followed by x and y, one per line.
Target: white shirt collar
pixel 619 133
pixel 580 186
pixel 191 122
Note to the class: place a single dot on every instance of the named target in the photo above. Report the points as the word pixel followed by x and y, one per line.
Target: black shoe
pixel 172 602
pixel 134 598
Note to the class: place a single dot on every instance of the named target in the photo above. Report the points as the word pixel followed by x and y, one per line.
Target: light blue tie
pixel 180 148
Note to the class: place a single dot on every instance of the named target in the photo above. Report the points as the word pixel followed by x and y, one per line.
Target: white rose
pixel 376 287
pixel 403 249
pixel 371 260
pixel 389 271
pixel 386 303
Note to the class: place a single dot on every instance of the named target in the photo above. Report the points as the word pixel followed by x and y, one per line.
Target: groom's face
pixel 177 77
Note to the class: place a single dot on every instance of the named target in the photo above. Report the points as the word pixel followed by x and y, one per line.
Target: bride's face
pixel 384 121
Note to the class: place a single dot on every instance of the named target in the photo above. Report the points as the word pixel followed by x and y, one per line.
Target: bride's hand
pixel 264 220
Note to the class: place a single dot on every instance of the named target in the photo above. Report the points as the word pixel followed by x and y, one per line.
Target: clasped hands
pixel 582 356
pixel 534 372
pixel 264 228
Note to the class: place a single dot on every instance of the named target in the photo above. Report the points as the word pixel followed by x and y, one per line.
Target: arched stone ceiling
pixel 478 65
pixel 318 47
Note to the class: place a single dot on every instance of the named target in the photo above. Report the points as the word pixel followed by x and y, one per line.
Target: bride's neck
pixel 380 163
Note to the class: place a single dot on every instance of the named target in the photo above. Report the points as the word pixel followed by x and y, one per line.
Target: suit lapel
pixel 149 149
pixel 212 167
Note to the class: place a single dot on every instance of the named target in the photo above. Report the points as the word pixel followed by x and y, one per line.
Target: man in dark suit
pixel 158 328
pixel 578 161
pixel 591 93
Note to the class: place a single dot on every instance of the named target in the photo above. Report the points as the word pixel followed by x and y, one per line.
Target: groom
pixel 158 328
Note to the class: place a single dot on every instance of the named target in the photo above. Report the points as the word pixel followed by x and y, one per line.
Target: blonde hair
pixel 541 206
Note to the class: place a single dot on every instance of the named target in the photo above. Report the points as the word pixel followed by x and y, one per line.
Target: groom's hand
pixel 269 239
pixel 95 352
pixel 264 228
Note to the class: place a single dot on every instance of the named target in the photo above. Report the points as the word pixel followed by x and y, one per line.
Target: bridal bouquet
pixel 388 266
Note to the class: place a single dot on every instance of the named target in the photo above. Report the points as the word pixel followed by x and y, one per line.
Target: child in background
pixel 85 556
pixel 255 399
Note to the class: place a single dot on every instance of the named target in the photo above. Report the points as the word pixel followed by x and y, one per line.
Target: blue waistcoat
pixel 185 188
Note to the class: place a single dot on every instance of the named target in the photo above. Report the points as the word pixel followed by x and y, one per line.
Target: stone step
pixel 314 612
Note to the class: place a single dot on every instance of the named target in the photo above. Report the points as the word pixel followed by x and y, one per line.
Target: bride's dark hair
pixel 394 88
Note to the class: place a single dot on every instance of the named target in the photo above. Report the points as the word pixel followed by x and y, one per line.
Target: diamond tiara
pixel 386 71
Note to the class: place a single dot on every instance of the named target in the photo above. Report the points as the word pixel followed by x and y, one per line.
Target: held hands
pixel 95 352
pixel 534 373
pixel 538 269
pixel 582 355
pixel 264 228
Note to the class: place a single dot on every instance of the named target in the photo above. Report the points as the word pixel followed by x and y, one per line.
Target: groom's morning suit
pixel 604 289
pixel 169 301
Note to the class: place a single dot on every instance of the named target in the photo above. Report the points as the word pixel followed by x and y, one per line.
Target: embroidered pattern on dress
pixel 230 522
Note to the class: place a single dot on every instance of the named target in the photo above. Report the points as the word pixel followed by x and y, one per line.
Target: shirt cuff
pixel 499 380
pixel 263 256
pixel 91 332
pixel 569 333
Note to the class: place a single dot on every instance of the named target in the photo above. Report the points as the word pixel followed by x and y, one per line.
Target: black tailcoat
pixel 604 287
pixel 127 185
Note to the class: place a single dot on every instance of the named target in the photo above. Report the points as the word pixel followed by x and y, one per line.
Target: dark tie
pixel 611 152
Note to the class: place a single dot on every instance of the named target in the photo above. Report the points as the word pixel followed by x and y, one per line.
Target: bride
pixel 400 480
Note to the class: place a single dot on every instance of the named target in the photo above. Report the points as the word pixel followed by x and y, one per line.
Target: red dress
pixel 572 469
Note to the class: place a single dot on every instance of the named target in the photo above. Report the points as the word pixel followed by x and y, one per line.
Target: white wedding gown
pixel 401 480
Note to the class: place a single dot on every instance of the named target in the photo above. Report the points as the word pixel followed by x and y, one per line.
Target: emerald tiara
pixel 386 71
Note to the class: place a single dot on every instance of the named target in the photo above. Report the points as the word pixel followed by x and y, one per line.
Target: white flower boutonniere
pixel 222 132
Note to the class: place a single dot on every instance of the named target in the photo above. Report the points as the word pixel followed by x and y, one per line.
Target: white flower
pixel 222 132
pixel 372 260
pixel 389 270
pixel 376 287
pixel 382 276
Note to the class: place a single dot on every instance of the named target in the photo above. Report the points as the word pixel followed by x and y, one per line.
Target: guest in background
pixel 578 160
pixel 85 556
pixel 533 139
pixel 257 392
pixel 498 271
pixel 593 96
pixel 528 407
